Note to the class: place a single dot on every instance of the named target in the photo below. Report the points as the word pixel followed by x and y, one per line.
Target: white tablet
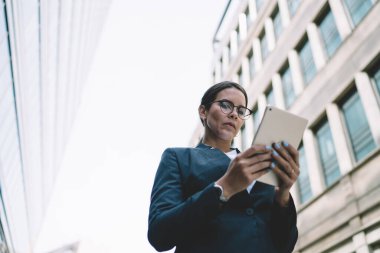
pixel 278 125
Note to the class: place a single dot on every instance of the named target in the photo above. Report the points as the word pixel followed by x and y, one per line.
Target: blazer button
pixel 249 211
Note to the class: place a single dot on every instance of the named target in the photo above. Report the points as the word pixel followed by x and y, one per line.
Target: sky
pixel 151 68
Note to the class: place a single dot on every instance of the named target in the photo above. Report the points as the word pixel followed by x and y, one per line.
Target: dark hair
pixel 213 91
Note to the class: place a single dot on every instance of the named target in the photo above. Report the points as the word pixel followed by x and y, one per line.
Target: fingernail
pixel 272 165
pixel 275 153
pixel 267 147
pixel 285 143
pixel 277 145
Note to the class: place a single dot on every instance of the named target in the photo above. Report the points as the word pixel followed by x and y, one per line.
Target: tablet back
pixel 278 125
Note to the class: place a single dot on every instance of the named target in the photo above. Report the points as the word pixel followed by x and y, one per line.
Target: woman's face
pixel 219 125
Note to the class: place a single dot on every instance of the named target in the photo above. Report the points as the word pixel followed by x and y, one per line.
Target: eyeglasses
pixel 227 107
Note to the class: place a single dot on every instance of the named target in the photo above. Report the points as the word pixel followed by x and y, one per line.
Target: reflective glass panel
pixel 264 46
pixel 358 9
pixel 357 125
pixel 307 62
pixel 270 97
pixel 287 87
pixel 330 34
pixel 303 179
pixel 327 154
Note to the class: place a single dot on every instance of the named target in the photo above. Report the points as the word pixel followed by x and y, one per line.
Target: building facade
pixel 319 59
pixel 46 47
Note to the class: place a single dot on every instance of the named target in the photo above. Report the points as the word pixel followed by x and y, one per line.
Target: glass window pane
pixel 358 9
pixel 307 62
pixel 240 75
pixel 303 179
pixel 270 97
pixel 264 46
pixel 327 154
pixel 293 6
pixel 256 118
pixel 259 4
pixel 358 129
pixel 277 24
pixel 252 69
pixel 287 87
pixel 330 34
pixel 238 36
pixel 248 17
pixel 376 79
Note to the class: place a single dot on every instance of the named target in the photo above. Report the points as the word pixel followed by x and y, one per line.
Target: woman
pixel 207 199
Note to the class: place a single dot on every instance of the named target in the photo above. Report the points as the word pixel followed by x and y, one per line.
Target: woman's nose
pixel 234 113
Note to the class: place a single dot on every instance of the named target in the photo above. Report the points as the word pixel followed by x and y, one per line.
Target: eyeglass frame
pixel 234 106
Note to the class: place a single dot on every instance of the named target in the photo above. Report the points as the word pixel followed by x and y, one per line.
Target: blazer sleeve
pixel 172 217
pixel 284 227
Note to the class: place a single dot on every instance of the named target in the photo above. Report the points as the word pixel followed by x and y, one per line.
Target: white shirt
pixel 232 154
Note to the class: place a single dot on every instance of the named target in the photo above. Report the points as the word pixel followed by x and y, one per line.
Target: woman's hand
pixel 287 169
pixel 246 167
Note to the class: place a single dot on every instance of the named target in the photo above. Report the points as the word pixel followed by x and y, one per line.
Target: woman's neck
pixel 224 146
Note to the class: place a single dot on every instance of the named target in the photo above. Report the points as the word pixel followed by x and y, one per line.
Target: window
pixel 307 61
pixel 259 4
pixel 376 80
pixel 287 87
pixel 360 135
pixel 264 46
pixel 293 6
pixel 256 118
pixel 248 17
pixel 238 36
pixel 240 76
pixel 303 179
pixel 252 68
pixel 277 24
pixel 358 9
pixel 327 153
pixel 270 96
pixel 329 33
pixel 375 248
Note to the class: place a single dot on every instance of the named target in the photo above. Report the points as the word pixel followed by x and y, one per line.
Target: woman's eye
pixel 225 105
pixel 241 111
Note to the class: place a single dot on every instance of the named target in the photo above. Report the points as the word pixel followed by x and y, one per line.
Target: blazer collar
pixel 201 145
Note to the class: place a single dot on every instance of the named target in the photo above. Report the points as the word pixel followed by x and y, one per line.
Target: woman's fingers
pixel 257 149
pixel 287 156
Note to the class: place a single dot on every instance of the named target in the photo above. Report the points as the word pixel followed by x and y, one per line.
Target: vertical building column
pixel 245 71
pixel 284 12
pixel 278 91
pixel 238 140
pixel 341 20
pixel 252 9
pixel 296 70
pixel 247 134
pixel 234 44
pixel 317 181
pixel 360 243
pixel 269 31
pixel 295 194
pixel 317 49
pixel 257 54
pixel 261 104
pixel 339 138
pixel 370 104
pixel 225 60
pixel 218 71
pixel 242 27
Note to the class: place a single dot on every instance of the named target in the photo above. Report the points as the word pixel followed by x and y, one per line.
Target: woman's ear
pixel 202 113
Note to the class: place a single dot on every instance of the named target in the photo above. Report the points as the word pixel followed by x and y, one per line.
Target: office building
pixel 46 49
pixel 319 59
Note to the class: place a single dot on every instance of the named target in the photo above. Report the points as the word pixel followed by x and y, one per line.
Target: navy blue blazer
pixel 186 213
